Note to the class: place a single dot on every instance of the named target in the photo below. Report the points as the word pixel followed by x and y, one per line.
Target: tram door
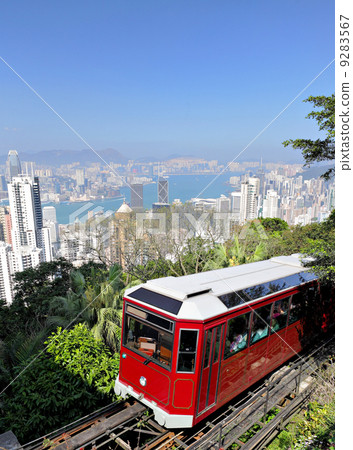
pixel 210 368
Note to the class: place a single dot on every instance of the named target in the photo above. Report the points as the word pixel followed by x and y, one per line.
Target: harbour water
pixel 183 187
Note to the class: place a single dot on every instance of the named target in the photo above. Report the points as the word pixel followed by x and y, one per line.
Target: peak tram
pixel 190 344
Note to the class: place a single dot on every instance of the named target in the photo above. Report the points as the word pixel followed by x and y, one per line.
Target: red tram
pixel 191 344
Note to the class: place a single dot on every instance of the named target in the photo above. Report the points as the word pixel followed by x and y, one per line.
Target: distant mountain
pixel 148 159
pixel 316 171
pixel 56 158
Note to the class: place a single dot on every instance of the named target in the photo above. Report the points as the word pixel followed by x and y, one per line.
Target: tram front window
pixel 149 335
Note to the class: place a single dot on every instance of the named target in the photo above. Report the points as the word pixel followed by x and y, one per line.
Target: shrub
pixel 73 377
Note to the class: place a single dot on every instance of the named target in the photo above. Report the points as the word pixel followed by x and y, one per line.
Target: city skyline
pixel 161 79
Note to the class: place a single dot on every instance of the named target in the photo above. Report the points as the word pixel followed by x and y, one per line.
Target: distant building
pixel 50 222
pixel 49 213
pixel 5 225
pixel 160 206
pixel 80 177
pixel 163 194
pixel 270 205
pixel 120 239
pixel 6 271
pixel 3 185
pixel 331 198
pixel 27 220
pixel 249 199
pixel 222 204
pixel 235 198
pixel 14 164
pixel 136 192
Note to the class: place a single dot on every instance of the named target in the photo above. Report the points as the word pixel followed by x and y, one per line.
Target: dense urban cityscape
pixel 30 232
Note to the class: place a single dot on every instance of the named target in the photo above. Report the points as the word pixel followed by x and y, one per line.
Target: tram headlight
pixel 143 381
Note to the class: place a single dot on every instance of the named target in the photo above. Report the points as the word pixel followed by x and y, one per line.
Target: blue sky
pixel 161 77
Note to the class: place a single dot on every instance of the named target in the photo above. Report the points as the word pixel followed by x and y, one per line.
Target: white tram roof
pixel 204 295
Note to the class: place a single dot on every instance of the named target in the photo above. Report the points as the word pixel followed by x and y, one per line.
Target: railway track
pixel 131 426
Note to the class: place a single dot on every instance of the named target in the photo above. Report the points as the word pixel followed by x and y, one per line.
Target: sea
pixel 183 187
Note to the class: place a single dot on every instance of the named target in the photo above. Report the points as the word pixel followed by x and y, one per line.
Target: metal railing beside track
pixel 287 391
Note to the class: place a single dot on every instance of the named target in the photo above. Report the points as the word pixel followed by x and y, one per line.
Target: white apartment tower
pixel 249 199
pixel 6 272
pixel 270 204
pixel 28 235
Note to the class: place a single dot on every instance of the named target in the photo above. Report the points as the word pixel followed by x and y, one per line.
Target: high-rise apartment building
pixel 3 185
pixel 270 204
pixel 50 222
pixel 26 219
pixel 49 213
pixel 163 194
pixel 222 204
pixel 249 199
pixel 120 235
pixel 235 198
pixel 6 271
pixel 136 192
pixel 5 225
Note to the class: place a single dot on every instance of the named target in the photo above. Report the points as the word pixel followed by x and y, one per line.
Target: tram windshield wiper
pixel 148 360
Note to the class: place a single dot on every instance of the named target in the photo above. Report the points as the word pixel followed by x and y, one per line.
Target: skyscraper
pixel 50 222
pixel 27 220
pixel 14 164
pixel 270 204
pixel 163 195
pixel 136 192
pixel 6 271
pixel 249 199
pixel 235 204
pixel 49 213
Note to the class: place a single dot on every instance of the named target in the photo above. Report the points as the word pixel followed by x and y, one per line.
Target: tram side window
pixel 207 349
pixel 279 315
pixel 296 308
pixel 187 350
pixel 260 323
pixel 237 335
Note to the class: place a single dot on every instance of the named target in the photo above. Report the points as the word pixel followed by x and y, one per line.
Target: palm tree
pixel 235 254
pixel 73 307
pixel 106 309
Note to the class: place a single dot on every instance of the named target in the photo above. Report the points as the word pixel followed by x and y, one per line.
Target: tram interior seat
pixel 275 326
pixel 259 335
pixel 243 343
pixel 165 355
pixel 147 345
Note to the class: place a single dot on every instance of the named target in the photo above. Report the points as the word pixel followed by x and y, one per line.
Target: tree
pixel 273 225
pixel 319 149
pixel 235 253
pixel 322 251
pixel 35 288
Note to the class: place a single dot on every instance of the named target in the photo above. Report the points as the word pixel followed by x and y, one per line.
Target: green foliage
pixel 79 353
pixel 273 225
pixel 319 149
pixel 314 428
pixel 322 249
pixel 93 273
pixel 34 288
pixel 72 378
pixel 234 253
